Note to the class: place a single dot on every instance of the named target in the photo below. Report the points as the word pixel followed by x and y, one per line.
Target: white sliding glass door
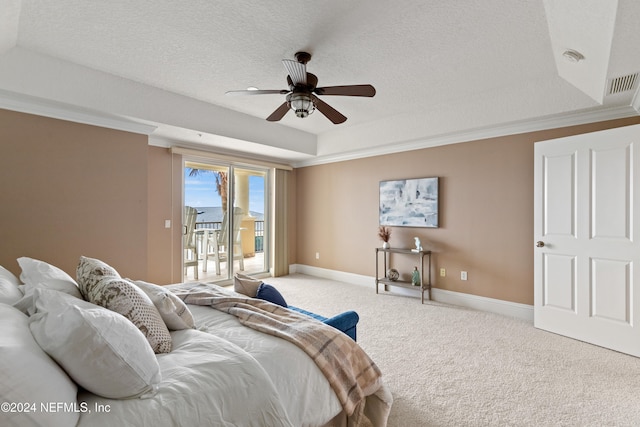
pixel 228 234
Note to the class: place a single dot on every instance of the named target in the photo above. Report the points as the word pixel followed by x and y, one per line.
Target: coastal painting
pixel 409 202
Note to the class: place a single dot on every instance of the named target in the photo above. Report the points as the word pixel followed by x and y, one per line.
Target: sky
pixel 200 191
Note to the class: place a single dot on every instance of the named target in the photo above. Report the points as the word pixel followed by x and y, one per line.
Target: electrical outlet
pixel 167 223
pixel 463 275
pixel 317 255
pixel 443 272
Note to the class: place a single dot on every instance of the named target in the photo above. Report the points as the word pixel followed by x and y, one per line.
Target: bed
pixel 57 371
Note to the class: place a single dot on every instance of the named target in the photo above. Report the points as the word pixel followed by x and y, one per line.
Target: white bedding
pixel 243 378
pixel 303 389
pixel 232 390
pixel 220 374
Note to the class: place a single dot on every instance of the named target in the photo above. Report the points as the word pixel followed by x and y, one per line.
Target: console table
pixel 424 279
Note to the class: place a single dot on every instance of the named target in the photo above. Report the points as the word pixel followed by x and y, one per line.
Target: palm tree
pixel 222 181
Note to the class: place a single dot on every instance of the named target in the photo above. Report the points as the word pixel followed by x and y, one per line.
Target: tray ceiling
pixel 442 70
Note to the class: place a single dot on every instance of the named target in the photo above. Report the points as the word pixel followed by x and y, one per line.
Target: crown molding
pixel 230 159
pixel 512 128
pixel 57 110
pixel 635 102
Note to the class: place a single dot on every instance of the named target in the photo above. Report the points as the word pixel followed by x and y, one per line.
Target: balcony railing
pixel 258 231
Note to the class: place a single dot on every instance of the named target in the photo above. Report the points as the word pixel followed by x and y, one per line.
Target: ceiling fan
pixel 301 95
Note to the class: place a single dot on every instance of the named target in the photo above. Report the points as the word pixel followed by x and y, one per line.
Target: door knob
pixel 540 244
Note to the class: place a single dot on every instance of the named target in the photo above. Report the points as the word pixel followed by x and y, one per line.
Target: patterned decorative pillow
pixel 102 285
pixel 173 310
pixel 124 297
pixel 90 271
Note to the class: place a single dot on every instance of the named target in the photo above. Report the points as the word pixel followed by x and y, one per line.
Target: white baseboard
pixel 505 308
pixel 340 276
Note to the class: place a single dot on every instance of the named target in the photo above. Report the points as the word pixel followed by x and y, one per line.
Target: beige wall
pixel 486 213
pixel 67 190
pixel 164 175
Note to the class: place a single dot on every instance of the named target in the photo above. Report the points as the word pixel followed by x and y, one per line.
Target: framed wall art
pixel 409 202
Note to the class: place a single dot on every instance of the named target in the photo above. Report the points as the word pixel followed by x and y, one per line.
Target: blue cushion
pixel 308 313
pixel 345 322
pixel 271 294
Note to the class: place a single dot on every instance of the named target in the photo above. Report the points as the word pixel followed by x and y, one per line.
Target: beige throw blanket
pixel 349 370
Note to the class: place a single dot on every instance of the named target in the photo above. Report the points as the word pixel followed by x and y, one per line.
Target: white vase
pixel 386 245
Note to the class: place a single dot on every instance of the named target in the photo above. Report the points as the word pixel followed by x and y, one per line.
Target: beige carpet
pixel 450 366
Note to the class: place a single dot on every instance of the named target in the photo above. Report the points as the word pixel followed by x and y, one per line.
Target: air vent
pixel 623 84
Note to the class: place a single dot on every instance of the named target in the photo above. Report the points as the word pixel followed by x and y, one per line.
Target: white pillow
pixel 100 349
pixel 28 375
pixel 246 285
pixel 102 285
pixel 173 310
pixel 38 274
pixel 7 275
pixel 9 287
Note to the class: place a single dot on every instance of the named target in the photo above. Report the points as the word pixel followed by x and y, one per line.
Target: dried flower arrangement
pixel 384 233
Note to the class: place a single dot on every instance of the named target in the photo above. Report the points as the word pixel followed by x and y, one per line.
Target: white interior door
pixel 587 283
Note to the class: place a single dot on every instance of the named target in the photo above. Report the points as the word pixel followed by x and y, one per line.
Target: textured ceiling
pixel 440 68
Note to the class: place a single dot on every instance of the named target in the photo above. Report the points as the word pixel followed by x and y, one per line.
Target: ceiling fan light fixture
pixel 301 95
pixel 301 104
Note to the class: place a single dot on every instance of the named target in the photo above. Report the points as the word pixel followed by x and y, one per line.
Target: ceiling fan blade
pixel 257 92
pixel 279 113
pixel 331 113
pixel 296 70
pixel 350 90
